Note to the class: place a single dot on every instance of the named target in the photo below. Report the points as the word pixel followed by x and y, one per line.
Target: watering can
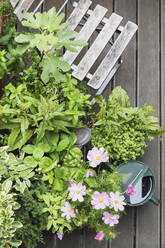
pixel 141 177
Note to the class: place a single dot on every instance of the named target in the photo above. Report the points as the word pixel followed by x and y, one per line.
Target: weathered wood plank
pixel 22 8
pixel 148 216
pixel 126 78
pixel 162 7
pixel 86 31
pixel 113 55
pixel 74 240
pixel 90 242
pixel 78 13
pixel 13 2
pixel 97 47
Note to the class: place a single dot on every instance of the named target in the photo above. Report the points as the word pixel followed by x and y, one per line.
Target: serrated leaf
pixel 24 126
pixel 41 131
pixel 13 135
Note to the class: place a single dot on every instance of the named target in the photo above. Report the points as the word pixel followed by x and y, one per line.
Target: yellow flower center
pixel 77 192
pixel 100 200
pixel 116 201
pixel 100 238
pixel 98 157
pixel 69 210
pixel 109 217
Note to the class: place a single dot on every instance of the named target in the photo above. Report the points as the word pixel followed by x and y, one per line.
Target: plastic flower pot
pixel 141 177
pixel 83 136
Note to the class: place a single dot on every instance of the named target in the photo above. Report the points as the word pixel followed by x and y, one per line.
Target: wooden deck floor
pixel 143 76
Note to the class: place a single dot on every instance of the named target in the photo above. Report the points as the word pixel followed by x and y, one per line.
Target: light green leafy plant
pixel 49 38
pixel 123 130
pixel 25 116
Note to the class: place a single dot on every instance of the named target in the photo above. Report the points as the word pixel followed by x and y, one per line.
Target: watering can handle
pixel 155 200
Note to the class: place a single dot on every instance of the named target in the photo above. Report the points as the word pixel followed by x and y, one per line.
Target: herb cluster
pixel 123 130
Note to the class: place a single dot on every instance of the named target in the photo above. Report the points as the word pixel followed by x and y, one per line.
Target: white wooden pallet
pixel 111 62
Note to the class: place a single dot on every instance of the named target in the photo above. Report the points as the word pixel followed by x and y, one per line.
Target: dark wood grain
pixel 162 7
pixel 148 216
pixel 126 77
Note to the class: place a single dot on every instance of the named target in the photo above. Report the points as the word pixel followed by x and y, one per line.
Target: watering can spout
pixel 155 200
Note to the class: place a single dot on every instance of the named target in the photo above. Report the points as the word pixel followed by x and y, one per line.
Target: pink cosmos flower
pixel 131 190
pixel 97 156
pixel 99 237
pixel 59 235
pixel 100 200
pixel 89 174
pixel 117 201
pixel 67 210
pixel 110 218
pixel 70 181
pixel 77 191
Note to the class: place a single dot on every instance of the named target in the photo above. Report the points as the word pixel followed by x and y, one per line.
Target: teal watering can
pixel 141 177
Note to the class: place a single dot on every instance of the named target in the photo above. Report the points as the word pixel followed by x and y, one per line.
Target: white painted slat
pixel 13 2
pixel 86 31
pixel 113 55
pixel 97 47
pixel 22 8
pixel 78 13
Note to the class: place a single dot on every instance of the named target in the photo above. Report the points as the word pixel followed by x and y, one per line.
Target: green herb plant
pixel 49 38
pixel 123 130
